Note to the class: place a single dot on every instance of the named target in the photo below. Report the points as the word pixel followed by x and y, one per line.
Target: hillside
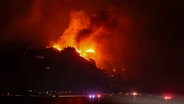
pixel 45 68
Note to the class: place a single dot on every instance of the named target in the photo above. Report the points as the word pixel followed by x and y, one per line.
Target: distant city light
pixel 98 95
pixel 167 97
pixel 91 96
pixel 134 93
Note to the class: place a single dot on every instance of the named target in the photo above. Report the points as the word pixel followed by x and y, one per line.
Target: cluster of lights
pixel 133 93
pixel 92 96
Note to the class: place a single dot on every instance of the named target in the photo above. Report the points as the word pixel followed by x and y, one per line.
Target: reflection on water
pixel 70 100
pixel 48 100
pixel 143 99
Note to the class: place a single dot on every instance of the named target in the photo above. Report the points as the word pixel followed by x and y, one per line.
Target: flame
pixel 78 36
pixel 87 53
pixel 85 47
pixel 57 46
pixel 90 51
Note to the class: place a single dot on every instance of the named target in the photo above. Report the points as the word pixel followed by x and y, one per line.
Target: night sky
pixel 145 38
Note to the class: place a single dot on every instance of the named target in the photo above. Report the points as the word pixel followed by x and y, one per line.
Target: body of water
pixel 119 99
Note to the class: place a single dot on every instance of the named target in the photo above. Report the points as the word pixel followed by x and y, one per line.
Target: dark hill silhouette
pixel 24 67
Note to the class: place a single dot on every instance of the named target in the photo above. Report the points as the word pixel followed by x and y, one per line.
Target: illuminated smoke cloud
pixel 98 32
pixel 100 26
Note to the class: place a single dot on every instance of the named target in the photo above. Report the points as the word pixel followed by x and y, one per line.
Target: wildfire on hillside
pixel 94 36
pixel 81 35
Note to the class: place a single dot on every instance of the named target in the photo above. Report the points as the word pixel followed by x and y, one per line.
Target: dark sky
pixel 145 37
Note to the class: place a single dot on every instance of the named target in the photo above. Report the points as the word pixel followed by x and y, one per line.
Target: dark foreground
pixel 117 99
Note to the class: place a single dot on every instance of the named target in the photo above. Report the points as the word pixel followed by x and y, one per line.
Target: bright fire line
pixel 90 51
pixel 85 53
